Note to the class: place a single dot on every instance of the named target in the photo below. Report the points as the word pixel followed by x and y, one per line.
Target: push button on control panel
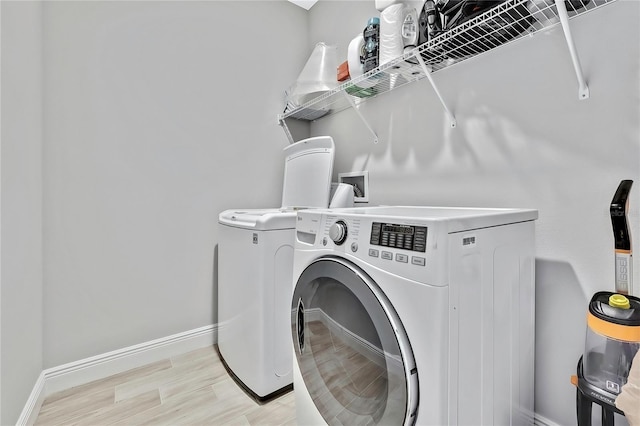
pixel 402 258
pixel 417 260
pixel 387 255
pixel 374 253
pixel 420 239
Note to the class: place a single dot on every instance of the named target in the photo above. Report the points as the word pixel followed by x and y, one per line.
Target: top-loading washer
pixel 414 315
pixel 255 257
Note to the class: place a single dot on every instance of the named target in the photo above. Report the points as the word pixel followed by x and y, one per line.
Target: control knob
pixel 338 232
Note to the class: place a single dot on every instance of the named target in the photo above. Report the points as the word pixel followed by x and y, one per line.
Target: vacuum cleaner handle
pixel 618 211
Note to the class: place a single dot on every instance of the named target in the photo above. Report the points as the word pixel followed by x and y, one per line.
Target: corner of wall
pixel 21 286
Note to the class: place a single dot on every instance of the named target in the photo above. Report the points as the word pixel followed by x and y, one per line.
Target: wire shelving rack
pixel 503 24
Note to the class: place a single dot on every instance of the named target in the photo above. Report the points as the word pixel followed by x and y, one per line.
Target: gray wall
pixel 158 116
pixel 21 200
pixel 126 128
pixel 523 140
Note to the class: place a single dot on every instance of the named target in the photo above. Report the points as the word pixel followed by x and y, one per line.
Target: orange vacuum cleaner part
pixel 625 333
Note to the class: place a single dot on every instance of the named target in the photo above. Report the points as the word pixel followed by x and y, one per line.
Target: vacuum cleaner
pixel 613 339
pixel 613 329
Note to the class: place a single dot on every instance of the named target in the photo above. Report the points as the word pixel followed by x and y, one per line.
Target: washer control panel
pixel 412 248
pixel 407 237
pixel 382 239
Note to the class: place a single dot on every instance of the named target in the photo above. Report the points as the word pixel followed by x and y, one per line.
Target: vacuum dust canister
pixel 612 341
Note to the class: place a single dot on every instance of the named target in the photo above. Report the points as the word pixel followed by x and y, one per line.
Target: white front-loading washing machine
pixel 414 315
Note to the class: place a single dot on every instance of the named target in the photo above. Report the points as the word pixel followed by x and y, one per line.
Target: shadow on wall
pixel 561 305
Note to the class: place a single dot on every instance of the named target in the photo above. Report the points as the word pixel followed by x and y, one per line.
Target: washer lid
pixel 259 219
pixel 307 173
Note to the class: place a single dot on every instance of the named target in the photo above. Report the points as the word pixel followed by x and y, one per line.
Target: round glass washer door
pixel 353 352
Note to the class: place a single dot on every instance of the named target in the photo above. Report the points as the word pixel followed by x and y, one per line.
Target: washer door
pixel 352 350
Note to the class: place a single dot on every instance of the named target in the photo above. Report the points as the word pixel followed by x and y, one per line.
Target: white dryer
pixel 255 260
pixel 414 315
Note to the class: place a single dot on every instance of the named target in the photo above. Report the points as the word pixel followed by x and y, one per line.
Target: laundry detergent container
pixel 612 340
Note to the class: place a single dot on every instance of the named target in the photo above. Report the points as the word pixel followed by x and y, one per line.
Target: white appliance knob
pixel 338 232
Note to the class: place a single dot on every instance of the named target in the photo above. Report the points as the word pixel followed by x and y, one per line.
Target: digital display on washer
pixel 405 237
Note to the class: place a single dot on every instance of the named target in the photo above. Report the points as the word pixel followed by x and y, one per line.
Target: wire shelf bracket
pixel 283 124
pixel 583 89
pixel 364 120
pixel 427 73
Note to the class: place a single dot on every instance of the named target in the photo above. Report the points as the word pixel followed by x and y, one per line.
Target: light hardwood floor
pixel 190 389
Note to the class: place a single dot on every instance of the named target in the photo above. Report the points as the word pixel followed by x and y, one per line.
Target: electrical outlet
pixel 360 183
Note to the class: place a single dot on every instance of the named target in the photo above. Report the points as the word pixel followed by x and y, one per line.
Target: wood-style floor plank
pixel 121 411
pixel 189 389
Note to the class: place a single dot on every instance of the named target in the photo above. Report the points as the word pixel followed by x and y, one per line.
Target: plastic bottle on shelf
pixel 410 28
pixel 355 59
pixel 371 36
pixel 398 31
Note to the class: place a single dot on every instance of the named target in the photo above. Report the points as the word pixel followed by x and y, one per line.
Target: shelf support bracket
pixel 583 89
pixel 427 73
pixel 283 124
pixel 364 120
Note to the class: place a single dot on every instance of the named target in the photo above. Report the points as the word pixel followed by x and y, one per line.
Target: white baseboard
pixel 539 420
pixel 97 367
pixel 32 407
